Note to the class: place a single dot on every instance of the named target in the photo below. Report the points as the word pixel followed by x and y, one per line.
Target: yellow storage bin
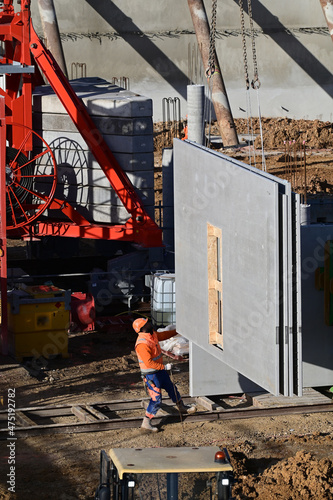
pixel 38 321
pixel 38 344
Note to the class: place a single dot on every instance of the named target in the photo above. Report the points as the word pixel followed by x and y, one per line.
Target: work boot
pixel 186 408
pixel 146 425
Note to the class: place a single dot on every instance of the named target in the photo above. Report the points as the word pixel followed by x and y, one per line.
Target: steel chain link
pixel 255 84
pixel 211 60
pixel 246 68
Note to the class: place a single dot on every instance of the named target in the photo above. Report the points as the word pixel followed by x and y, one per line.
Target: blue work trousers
pixel 155 382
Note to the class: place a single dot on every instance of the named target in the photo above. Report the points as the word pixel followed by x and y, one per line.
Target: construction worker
pixel 154 372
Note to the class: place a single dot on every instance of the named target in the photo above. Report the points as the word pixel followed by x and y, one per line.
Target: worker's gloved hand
pixel 168 367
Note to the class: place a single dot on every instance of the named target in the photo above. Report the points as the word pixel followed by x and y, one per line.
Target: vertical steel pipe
pixel 219 94
pixel 51 32
pixel 172 486
pixel 3 230
pixel 327 6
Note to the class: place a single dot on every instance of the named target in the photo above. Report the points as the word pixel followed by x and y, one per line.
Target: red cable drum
pixel 83 312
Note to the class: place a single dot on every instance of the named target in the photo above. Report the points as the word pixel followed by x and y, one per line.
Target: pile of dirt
pixel 301 477
pixel 277 132
pixel 300 151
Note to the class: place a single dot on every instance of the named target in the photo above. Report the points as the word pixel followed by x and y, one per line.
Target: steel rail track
pixel 112 415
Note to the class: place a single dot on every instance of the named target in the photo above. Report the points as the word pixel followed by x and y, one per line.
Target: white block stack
pixel 125 121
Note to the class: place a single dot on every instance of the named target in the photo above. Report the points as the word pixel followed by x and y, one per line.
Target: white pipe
pixel 195 112
pixel 305 215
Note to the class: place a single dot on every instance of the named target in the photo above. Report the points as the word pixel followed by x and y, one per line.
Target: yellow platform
pixel 167 460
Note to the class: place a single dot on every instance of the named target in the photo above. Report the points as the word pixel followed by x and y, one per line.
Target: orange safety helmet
pixel 139 323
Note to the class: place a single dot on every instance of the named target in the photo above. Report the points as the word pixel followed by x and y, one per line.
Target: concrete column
pixel 195 113
pixel 51 32
pixel 219 94
pixel 327 6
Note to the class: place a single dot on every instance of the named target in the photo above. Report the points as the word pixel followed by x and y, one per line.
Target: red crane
pixel 23 50
pixel 27 160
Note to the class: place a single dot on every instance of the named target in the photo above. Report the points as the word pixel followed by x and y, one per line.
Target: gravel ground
pixel 273 458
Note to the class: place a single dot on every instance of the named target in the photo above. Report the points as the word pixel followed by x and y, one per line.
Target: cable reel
pixel 31 180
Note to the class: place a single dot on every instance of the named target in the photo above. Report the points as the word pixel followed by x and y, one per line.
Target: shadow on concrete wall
pixel 143 45
pixel 273 28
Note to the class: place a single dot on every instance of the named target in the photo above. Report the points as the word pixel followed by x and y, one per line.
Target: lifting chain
pixel 246 67
pixel 211 60
pixel 255 84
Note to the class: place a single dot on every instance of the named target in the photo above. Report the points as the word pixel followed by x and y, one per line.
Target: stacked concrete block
pixel 125 121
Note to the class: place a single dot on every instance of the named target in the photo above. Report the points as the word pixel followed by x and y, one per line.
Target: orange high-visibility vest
pixel 152 360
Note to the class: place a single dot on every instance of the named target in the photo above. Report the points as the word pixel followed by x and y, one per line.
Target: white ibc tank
pixel 163 299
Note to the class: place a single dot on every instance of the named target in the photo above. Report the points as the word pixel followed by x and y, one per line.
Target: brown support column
pixel 219 94
pixel 327 6
pixel 51 32
pixel 3 230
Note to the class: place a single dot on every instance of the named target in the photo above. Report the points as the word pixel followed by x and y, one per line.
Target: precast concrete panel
pixel 290 340
pixel 297 297
pixel 284 296
pixel 95 178
pixel 290 332
pixel 102 98
pixel 317 336
pixel 105 124
pixel 116 143
pixel 290 294
pixel 217 378
pixel 209 188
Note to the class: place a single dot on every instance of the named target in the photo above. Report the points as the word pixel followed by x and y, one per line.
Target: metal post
pixel 219 94
pixel 172 486
pixel 327 6
pixel 3 236
pixel 51 32
pixel 124 488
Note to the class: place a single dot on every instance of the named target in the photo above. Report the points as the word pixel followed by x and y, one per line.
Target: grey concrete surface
pixel 217 377
pixel 261 291
pixel 297 338
pixel 116 143
pixel 317 336
pixel 93 193
pixel 106 124
pixel 153 45
pixel 211 189
pixel 101 97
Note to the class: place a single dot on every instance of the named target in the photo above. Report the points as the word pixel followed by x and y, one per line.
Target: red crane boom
pixel 21 43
